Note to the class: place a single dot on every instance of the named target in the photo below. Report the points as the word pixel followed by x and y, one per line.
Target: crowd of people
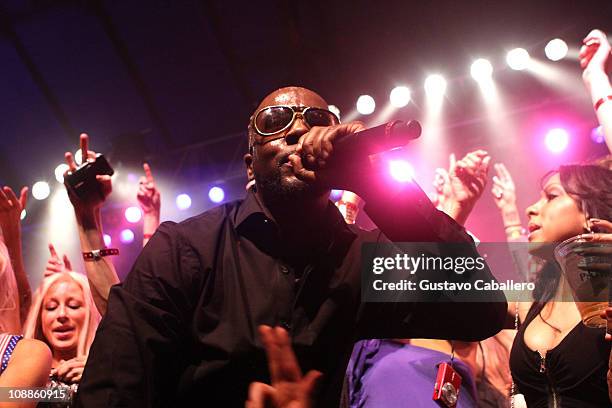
pixel 231 307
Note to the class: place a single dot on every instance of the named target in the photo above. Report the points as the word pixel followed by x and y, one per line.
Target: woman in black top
pixel 555 360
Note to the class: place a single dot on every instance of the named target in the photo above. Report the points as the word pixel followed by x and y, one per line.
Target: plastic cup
pixel 583 264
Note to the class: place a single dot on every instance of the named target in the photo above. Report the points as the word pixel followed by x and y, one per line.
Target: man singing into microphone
pixel 182 329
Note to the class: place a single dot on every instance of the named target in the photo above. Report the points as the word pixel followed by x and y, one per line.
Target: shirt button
pixel 284 269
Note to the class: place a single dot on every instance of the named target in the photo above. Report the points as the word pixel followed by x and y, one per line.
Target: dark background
pixel 174 82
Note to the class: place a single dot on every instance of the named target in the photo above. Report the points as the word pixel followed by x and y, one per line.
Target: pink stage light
pixel 401 170
pixel 127 236
pixel 597 135
pixel 107 240
pixel 557 140
pixel 133 214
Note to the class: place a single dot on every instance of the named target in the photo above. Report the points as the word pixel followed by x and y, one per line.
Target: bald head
pixel 294 96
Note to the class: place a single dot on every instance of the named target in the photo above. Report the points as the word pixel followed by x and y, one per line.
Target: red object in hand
pixel 447 386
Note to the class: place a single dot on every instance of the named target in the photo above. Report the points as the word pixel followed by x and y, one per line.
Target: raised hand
pixel 148 195
pixel 504 191
pixel 467 178
pixel 104 181
pixel 289 388
pixel 11 208
pixel 443 190
pixel 54 264
pixel 595 55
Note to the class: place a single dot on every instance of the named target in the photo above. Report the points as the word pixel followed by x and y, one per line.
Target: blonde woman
pixel 63 316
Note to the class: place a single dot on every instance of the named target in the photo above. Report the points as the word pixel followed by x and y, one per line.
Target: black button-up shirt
pixel 182 329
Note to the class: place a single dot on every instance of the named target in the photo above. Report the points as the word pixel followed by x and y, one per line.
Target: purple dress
pixel 383 373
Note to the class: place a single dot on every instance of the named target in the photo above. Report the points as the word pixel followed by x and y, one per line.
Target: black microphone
pixel 376 140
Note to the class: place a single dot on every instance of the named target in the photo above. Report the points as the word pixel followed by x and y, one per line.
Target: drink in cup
pixel 586 266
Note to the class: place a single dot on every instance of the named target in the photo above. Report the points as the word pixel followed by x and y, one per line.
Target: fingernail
pixel 595 220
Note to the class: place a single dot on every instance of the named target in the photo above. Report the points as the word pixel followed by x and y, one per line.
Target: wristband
pixel 97 254
pixel 147 236
pixel 601 101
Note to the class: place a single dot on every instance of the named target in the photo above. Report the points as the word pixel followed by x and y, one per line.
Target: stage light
pixel 399 96
pixel 183 201
pixel 334 109
pixel 24 214
pixel 216 194
pixel 59 172
pixel 556 49
pixel 365 104
pixel 435 86
pixel 557 140
pixel 335 195
pixel 518 59
pixel 133 214
pixel 597 135
pixel 481 70
pixel 401 170
pixel 126 236
pixel 107 240
pixel 40 190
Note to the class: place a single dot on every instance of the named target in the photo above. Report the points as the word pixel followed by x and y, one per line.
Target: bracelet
pixel 601 101
pixel 147 236
pixel 97 254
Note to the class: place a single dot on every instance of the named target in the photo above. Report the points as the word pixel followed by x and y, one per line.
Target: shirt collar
pixel 251 207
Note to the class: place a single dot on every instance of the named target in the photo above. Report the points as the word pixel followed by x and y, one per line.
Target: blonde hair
pixel 33 324
pixel 9 294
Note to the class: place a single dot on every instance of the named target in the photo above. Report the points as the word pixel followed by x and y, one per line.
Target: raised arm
pixel 596 61
pixel 149 200
pixel 100 272
pixel 10 222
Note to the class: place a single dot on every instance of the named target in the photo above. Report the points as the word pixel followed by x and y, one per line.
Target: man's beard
pixel 277 188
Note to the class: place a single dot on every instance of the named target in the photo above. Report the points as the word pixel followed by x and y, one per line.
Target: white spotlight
pixel 365 104
pixel 334 109
pixel 556 49
pixel 400 96
pixel 481 70
pixel 435 86
pixel 518 59
pixel 41 190
pixel 59 172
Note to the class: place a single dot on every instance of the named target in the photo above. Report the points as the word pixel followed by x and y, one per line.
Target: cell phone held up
pixel 447 386
pixel 82 182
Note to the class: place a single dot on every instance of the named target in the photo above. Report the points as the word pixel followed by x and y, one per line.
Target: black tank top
pixel 573 374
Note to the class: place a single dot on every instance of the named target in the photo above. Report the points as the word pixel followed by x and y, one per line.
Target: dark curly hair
pixel 590 185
